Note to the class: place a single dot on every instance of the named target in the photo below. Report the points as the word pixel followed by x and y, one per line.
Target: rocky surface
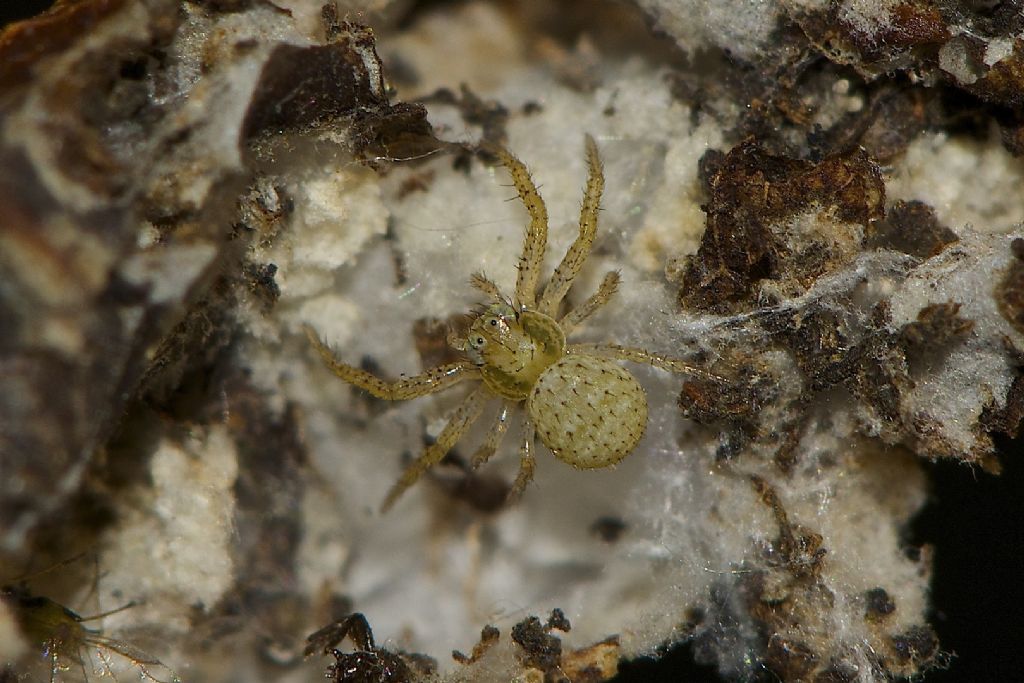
pixel 817 201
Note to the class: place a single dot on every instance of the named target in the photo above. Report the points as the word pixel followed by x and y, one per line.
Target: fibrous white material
pixel 949 173
pixel 962 274
pixel 742 27
pixel 174 547
pixel 694 529
pixel 773 539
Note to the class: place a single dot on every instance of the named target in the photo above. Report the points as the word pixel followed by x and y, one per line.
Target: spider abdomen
pixel 588 410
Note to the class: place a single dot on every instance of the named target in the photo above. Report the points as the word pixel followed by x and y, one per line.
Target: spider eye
pixel 494 322
pixel 479 341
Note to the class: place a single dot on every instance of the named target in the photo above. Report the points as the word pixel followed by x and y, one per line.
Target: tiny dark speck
pixel 608 528
pixel 879 604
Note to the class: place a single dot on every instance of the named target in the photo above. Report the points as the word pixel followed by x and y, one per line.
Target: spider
pixel 588 410
pixel 60 635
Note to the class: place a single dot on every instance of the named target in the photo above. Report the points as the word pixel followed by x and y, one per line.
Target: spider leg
pixel 428 382
pixel 137 657
pixel 481 282
pixel 565 273
pixel 81 665
pixel 609 285
pixel 527 462
pixel 465 415
pixel 536 235
pixel 126 650
pixel 105 660
pixel 493 439
pixel 636 355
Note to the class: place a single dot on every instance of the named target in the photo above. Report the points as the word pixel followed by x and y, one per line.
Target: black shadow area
pixel 975 521
pixel 15 10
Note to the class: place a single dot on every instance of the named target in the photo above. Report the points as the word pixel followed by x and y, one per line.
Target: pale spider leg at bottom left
pixel 493 439
pixel 527 461
pixel 459 423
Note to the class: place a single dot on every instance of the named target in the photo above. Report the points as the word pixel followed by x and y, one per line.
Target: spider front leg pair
pixel 588 410
pixel 465 415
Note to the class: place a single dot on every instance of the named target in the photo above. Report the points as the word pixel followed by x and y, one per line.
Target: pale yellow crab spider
pixel 587 409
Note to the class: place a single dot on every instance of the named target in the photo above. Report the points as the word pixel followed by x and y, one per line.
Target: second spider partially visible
pixel 588 410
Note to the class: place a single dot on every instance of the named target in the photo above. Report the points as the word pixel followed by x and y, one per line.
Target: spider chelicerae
pixel 588 410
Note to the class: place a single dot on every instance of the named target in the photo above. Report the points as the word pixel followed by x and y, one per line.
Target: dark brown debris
pixel 1010 418
pixel 937 325
pixel 831 349
pixel 302 88
pixel 878 604
pixel 787 612
pixel 893 117
pixel 399 133
pixel 558 622
pixel 540 649
pixel 542 655
pixel 738 409
pixel 797 550
pixel 366 663
pixel 488 638
pixel 917 30
pixel 737 402
pixel 262 283
pixel 750 238
pixel 945 45
pixel 916 647
pixel 100 109
pixel 1010 290
pixel 880 379
pixel 928 439
pixel 837 672
pixel 490 115
pixel 746 261
pixel 1011 132
pixel 788 600
pixel 261 211
pixel 913 228
pixel 821 339
pixel 791 660
pixel 1001 83
pixel 415 182
pixel 24 44
pixel 608 528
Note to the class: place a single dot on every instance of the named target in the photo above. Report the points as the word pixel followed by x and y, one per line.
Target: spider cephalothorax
pixel 578 400
pixel 513 348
